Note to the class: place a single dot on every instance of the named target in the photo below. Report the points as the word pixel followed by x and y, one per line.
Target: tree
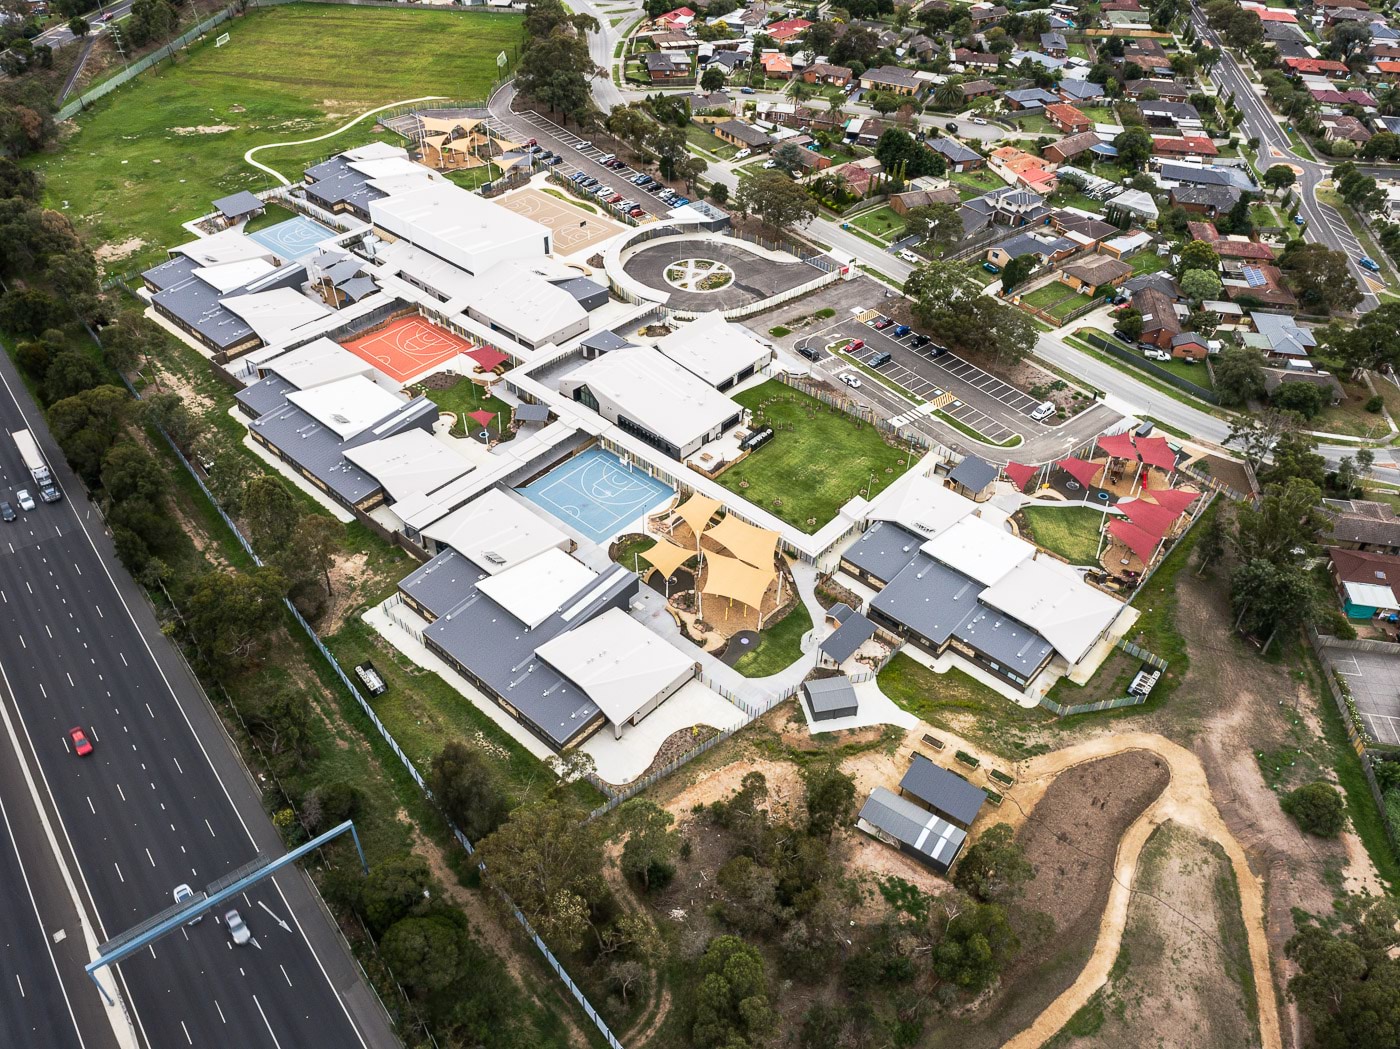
pixel 775 199
pixel 169 411
pixel 1129 323
pixel 939 223
pixel 941 292
pixel 994 868
pixel 430 953
pixel 1281 523
pixel 281 722
pixel 977 943
pixel 1210 545
pixel 1198 255
pixel 1317 808
pixel 232 616
pixel 1279 177
pixel 1239 375
pixel 69 373
pixel 556 70
pixel 948 95
pixel 713 78
pixel 1016 271
pixel 1012 333
pixel 308 555
pixel 87 424
pixel 830 798
pixel 1267 596
pixel 392 890
pixel 269 510
pixel 788 156
pixel 630 126
pixel 899 154
pixel 78 26
pixel 1301 397
pixel 731 1004
pixel 468 789
pixel 649 853
pixel 1320 276
pixel 1134 147
pixel 1348 983
pixel 549 862
pixel 748 896
pixel 1295 456
pixel 1371 344
pixel 129 472
pixel 1200 285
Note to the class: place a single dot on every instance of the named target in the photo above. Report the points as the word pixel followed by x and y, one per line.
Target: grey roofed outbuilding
pixel 497 649
pixel 1055 40
pixel 883 551
pixel 603 341
pixel 831 697
pixel 236 205
pixel 946 793
pixel 931 839
pixel 265 395
pixel 841 644
pixel 955 152
pixel 929 598
pixel 839 612
pixel 587 293
pixel 973 473
pixel 531 413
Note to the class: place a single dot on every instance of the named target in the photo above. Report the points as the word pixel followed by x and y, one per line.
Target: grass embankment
pixel 154 153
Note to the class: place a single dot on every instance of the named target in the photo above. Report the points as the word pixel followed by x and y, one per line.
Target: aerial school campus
pixel 779 526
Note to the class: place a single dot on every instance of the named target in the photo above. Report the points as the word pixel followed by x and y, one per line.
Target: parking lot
pixel 1374 681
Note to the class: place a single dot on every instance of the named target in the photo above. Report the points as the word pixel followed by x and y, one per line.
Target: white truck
pixel 38 466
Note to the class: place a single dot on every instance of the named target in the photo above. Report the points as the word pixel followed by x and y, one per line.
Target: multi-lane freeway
pixel 161 801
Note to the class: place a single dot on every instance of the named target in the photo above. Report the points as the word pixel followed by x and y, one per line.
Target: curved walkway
pixel 248 156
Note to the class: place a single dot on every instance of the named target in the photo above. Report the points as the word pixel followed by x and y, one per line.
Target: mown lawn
pixel 778 646
pixel 466 396
pixel 882 222
pixel 1071 531
pixel 154 153
pixel 819 459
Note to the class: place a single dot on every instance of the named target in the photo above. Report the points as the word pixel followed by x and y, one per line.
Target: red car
pixel 80 741
pixel 859 344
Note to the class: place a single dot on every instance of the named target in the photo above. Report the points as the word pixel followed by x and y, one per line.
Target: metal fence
pixel 1136 359
pixel 617 797
pixel 1136 651
pixel 815 388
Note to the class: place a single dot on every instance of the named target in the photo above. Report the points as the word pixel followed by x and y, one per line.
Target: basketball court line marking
pixel 408 347
pixel 597 494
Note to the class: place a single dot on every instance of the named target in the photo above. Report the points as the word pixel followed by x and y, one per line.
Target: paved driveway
pixel 1374 680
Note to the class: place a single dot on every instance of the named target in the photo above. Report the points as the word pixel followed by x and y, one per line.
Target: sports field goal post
pixel 221 40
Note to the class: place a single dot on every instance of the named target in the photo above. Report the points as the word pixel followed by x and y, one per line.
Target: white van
pixel 1043 411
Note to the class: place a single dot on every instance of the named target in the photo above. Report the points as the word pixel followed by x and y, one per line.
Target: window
pixel 585 397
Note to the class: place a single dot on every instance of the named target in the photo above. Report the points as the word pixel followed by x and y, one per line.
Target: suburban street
pixel 162 800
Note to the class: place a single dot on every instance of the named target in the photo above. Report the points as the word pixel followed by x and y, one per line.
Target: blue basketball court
pixel 294 239
pixel 596 494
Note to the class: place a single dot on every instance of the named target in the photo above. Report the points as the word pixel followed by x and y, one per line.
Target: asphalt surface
pixel 1374 681
pixel 161 801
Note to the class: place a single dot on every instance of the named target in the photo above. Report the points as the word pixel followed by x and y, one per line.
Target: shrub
pixel 1375 404
pixel 1317 808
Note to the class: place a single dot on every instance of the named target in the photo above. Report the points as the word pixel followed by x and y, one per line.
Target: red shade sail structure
pixel 487 357
pixel 482 418
pixel 1151 518
pixel 1155 451
pixel 1174 499
pixel 1020 474
pixel 1118 445
pixel 1144 544
pixel 1081 470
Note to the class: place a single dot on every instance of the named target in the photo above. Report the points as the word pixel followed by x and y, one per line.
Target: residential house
pixel 1071 146
pixel 745 136
pixel 1188 346
pixel 1020 168
pixel 1185 146
pixel 1330 96
pixel 1126 19
pixel 680 18
pixel 1162 113
pixel 985 14
pixel 977 88
pixel 1120 5
pixel 893 79
pixel 1232 247
pixel 826 73
pixel 858 174
pixel 1280 336
pixel 1040 246
pixel 1008 206
pixel 667 66
pixel 1325 66
pixel 1205 175
pixel 1030 99
pixel 727 60
pixel 1269 15
pixel 1079 92
pixel 1126 244
pixel 1132 205
pixel 1164 89
pixel 1359 524
pixel 1088 231
pixel 1258 283
pixel 1159 320
pixel 1054 44
pixel 1345 129
pixel 1068 119
pixel 1204 200
pixel 864 131
pixel 1093 273
pixel 787 30
pixel 903 203
pixel 776 65
pixel 701 102
pixel 959 157
pixel 1367 584
pixel 975 59
pixel 670 40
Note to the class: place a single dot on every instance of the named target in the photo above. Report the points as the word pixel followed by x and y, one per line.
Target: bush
pixel 1317 808
pixel 1375 404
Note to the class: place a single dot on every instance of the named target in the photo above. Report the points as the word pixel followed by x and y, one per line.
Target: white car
pixel 1043 411
pixel 743 154
pixel 1157 355
pixel 25 500
pixel 236 928
pixel 183 894
pixel 769 165
pixel 850 380
pixel 979 120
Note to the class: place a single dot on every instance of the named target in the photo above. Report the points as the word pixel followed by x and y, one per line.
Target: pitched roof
pixel 945 792
pixel 1097 269
pixel 854 631
pixel 973 473
pixel 911 826
pixel 1157 311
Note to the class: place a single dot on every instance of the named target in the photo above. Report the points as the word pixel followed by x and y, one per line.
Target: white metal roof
pixel 374 151
pixel 979 549
pixel 922 505
pixel 409 462
pixel 496 532
pixel 228 245
pixel 462 227
pixel 536 589
pixel 1049 597
pixel 277 313
pixel 317 363
pixel 517 296
pixel 713 348
pixel 1370 595
pixel 619 663
pixel 226 276
pixel 347 405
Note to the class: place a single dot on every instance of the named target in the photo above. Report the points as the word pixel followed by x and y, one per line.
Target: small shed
pixel 238 206
pixel 841 644
pixel 932 841
pixel 531 413
pixel 829 698
pixel 973 477
pixel 942 792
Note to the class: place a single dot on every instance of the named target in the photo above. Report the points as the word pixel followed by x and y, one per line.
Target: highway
pixel 162 800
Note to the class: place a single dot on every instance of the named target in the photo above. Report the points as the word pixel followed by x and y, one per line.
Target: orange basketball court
pixel 406 348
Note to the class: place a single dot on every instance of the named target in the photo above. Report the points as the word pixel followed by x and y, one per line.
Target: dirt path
pixel 1187 801
pixel 612 874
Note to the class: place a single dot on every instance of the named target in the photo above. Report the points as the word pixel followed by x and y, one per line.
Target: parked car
pixel 1369 263
pixel 636 213
pixel 991 267
pixel 681 202
pixel 809 353
pixel 743 154
pixel 1298 220
pixel 882 324
pixel 979 120
pixel 1122 338
pixel 902 331
pixel 909 257
pixel 236 928
pixel 1157 355
pixel 856 344
pixel 769 165
pixel 747 91
pixel 919 341
pixel 1043 411
pixel 879 360
pixel 80 741
pixel 850 380
pixel 935 351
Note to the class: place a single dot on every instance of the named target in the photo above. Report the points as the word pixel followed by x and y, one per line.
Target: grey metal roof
pixel 884 550
pixel 531 413
pixel 500 651
pixel 1201 175
pixel 945 792
pixel 930 599
pixel 604 341
pixel 854 631
pixel 356 288
pixel 973 473
pixel 264 396
pixel 1024 244
pixel 1003 640
pixel 335 181
pixel 922 831
pixel 827 695
pixel 237 204
pixel 1080 89
pixel 581 288
pixel 196 304
pixel 168 274
pixel 839 612
pixel 954 151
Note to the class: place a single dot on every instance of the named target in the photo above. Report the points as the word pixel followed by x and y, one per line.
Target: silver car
pixel 236 928
pixel 25 500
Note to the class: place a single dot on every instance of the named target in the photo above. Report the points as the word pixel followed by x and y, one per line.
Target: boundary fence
pixel 388 737
pixel 1139 361
pixel 1123 645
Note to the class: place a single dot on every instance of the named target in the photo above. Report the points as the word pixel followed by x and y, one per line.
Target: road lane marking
pixel 270 1031
pixel 187 1032
pixel 119 872
pixel 150 857
pixel 221 1012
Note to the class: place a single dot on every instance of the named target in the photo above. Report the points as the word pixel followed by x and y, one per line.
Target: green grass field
pixel 156 152
pixel 883 222
pixel 1071 531
pixel 810 471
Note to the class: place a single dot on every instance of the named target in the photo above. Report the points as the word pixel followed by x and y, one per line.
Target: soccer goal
pixel 221 40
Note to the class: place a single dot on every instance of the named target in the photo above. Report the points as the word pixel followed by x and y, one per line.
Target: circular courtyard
pixel 699 274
